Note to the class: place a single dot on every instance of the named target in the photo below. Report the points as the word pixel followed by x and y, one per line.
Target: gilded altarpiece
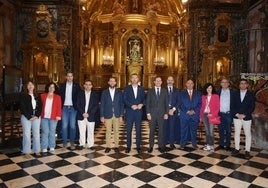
pixel 125 37
pixel 43 59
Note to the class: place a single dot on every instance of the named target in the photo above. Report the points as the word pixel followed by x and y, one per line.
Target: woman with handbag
pixel 209 114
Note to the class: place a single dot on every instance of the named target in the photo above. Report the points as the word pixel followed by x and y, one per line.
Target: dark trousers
pixel 157 120
pixel 188 126
pixel 171 130
pixel 225 129
pixel 134 117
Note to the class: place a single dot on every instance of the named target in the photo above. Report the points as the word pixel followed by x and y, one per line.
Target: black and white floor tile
pixel 176 168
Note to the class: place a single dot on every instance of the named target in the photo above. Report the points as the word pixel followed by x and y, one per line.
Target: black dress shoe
pixel 228 149
pixel 150 150
pixel 92 148
pixel 80 147
pixel 172 146
pixel 235 152
pixel 247 155
pixel 107 150
pixel 182 147
pixel 220 147
pixel 127 150
pixel 195 147
pixel 139 150
pixel 116 150
pixel 162 149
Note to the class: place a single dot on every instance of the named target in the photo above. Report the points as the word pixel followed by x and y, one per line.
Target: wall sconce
pixel 219 67
pixel 159 61
pixel 108 58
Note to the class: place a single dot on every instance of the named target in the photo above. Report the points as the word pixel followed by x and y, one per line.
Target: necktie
pixel 169 96
pixel 158 93
pixel 190 94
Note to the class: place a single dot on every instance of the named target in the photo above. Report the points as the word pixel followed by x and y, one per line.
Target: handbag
pixel 216 120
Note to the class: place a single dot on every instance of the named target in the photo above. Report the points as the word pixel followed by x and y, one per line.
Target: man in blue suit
pixel 111 113
pixel 171 129
pixel 243 105
pixel 134 98
pixel 189 104
pixel 87 106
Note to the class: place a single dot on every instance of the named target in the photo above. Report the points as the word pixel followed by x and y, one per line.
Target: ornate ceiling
pixel 163 7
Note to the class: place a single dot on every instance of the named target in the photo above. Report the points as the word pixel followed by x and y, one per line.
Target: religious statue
pixel 135 59
pixel 135 4
pixel 118 9
pixel 152 9
pixel 134 52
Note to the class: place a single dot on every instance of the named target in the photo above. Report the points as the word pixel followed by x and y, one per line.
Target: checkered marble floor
pixel 176 168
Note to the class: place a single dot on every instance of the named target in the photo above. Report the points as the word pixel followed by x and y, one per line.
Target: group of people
pixel 175 114
pixel 46 110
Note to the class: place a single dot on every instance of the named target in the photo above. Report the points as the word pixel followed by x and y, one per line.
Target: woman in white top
pixel 50 115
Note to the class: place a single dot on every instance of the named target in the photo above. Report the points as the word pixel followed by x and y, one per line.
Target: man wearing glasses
pixel 226 98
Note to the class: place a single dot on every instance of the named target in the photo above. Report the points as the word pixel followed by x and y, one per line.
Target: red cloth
pixel 214 105
pixel 56 106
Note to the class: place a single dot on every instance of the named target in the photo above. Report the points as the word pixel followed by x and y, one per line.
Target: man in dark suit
pixel 87 106
pixel 226 99
pixel 171 128
pixel 68 92
pixel 157 112
pixel 134 98
pixel 111 113
pixel 189 104
pixel 243 105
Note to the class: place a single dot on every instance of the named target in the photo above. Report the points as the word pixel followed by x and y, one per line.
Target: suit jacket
pixel 56 106
pixel 26 106
pixel 232 94
pixel 245 107
pixel 186 104
pixel 173 98
pixel 214 105
pixel 75 90
pixel 107 105
pixel 92 106
pixel 157 106
pixel 129 97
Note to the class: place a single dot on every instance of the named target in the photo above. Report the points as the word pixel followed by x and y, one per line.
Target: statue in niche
pixel 152 9
pixel 134 59
pixel 135 51
pixel 135 4
pixel 223 33
pixel 118 9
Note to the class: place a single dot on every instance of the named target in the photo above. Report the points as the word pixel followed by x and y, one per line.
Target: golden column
pixel 96 61
pixel 116 47
pixel 172 54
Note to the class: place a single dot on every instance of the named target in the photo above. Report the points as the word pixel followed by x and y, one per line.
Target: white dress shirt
pixel 87 94
pixel 135 90
pixel 68 94
pixel 112 91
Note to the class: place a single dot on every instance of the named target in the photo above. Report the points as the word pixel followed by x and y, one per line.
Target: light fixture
pixel 108 58
pixel 159 61
pixel 184 1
